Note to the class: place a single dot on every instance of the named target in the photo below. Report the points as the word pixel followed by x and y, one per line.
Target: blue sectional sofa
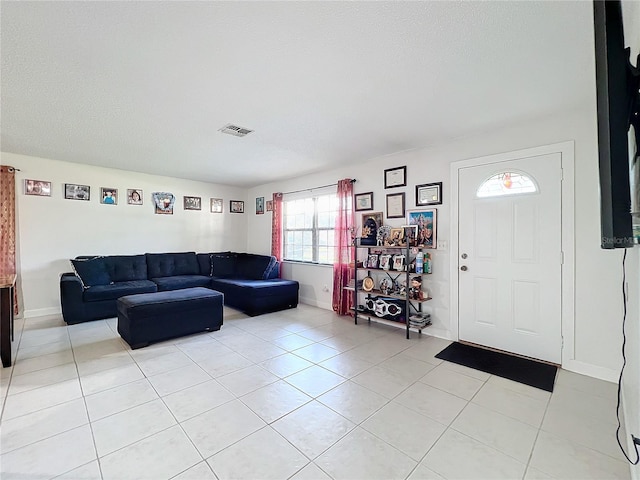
pixel 248 282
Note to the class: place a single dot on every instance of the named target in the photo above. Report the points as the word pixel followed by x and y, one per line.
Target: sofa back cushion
pixel 126 268
pixel 91 271
pixel 204 263
pixel 172 264
pixel 224 264
pixel 254 267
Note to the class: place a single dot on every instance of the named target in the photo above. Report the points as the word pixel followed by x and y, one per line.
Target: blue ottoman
pixel 152 317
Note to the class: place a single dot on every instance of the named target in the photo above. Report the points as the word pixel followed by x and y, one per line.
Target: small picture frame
pixel 134 196
pixel 259 205
pixel 216 205
pixel 395 177
pixel 192 203
pixel 73 191
pixel 108 196
pixel 395 205
pixel 385 261
pixel 372 261
pixel 395 238
pixel 39 188
pixel 269 205
pixel 410 233
pixel 398 262
pixel 364 201
pixel 236 206
pixel 429 194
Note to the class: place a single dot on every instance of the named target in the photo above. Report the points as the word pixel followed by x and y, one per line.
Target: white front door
pixel 510 257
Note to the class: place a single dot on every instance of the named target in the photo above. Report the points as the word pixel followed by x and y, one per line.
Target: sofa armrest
pixel 71 299
pixel 274 271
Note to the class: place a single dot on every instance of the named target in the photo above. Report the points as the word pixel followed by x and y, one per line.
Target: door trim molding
pixel 567 154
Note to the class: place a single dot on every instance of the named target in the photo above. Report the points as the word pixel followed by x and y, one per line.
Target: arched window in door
pixel 506 183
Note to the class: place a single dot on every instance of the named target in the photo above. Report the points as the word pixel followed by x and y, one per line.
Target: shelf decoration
pixel 426 221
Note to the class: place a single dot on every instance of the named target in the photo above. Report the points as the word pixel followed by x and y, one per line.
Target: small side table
pixel 7 284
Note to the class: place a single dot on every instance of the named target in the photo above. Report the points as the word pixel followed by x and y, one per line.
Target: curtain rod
pixel 353 180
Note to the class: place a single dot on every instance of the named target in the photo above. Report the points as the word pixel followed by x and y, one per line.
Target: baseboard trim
pixel 315 303
pixel 41 312
pixel 590 370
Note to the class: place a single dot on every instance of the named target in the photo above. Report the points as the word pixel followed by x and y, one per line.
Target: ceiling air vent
pixel 235 130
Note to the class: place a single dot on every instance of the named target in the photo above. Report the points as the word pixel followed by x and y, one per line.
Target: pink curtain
pixel 276 227
pixel 8 225
pixel 344 253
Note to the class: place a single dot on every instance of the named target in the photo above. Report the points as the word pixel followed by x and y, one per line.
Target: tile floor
pixel 300 394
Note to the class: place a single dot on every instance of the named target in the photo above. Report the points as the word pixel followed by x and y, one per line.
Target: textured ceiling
pixel 145 86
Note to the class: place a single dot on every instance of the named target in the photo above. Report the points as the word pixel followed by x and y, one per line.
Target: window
pixel 309 224
pixel 507 183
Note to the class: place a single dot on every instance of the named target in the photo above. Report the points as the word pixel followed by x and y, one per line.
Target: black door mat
pixel 522 370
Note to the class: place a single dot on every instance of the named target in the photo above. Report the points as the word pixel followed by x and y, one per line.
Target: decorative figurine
pixel 415 292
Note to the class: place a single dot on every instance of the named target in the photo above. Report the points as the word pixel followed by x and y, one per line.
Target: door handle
pixel 464 268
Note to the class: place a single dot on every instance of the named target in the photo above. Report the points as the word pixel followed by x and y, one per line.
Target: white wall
pixel 51 230
pixel 597 277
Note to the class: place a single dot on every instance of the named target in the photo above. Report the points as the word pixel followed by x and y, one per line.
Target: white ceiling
pixel 145 86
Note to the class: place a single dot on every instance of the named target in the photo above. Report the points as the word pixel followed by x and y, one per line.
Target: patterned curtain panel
pixel 276 227
pixel 344 254
pixel 8 224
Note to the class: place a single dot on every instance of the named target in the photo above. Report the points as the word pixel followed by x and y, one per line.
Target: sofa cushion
pixel 254 267
pixel 224 264
pixel 118 289
pixel 124 268
pixel 170 264
pixel 204 262
pixel 178 282
pixel 91 271
pixel 255 288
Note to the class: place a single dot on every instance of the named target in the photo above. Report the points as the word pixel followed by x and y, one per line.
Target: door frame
pixel 567 212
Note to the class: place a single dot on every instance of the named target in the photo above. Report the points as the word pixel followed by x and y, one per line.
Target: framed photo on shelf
pixel 410 234
pixel 236 206
pixel 429 194
pixel 364 201
pixel 395 177
pixel 372 261
pixel 395 205
pixel 37 187
pixel 192 203
pixel 134 196
pixel 385 261
pixel 396 237
pixel 216 205
pixel 426 221
pixel 398 262
pixel 109 196
pixel 77 192
pixel 371 222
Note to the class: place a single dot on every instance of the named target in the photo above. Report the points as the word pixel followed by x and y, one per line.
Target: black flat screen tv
pixel 617 101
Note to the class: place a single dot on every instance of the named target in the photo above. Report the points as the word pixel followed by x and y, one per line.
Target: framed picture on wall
pixel 395 177
pixel 134 196
pixel 364 201
pixel 269 205
pixel 429 194
pixel 236 206
pixel 192 203
pixel 37 187
pixel 216 205
pixel 73 191
pixel 259 205
pixel 395 205
pixel 109 196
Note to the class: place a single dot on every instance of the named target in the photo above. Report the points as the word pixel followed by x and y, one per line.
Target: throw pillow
pixel 91 271
pixel 224 266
